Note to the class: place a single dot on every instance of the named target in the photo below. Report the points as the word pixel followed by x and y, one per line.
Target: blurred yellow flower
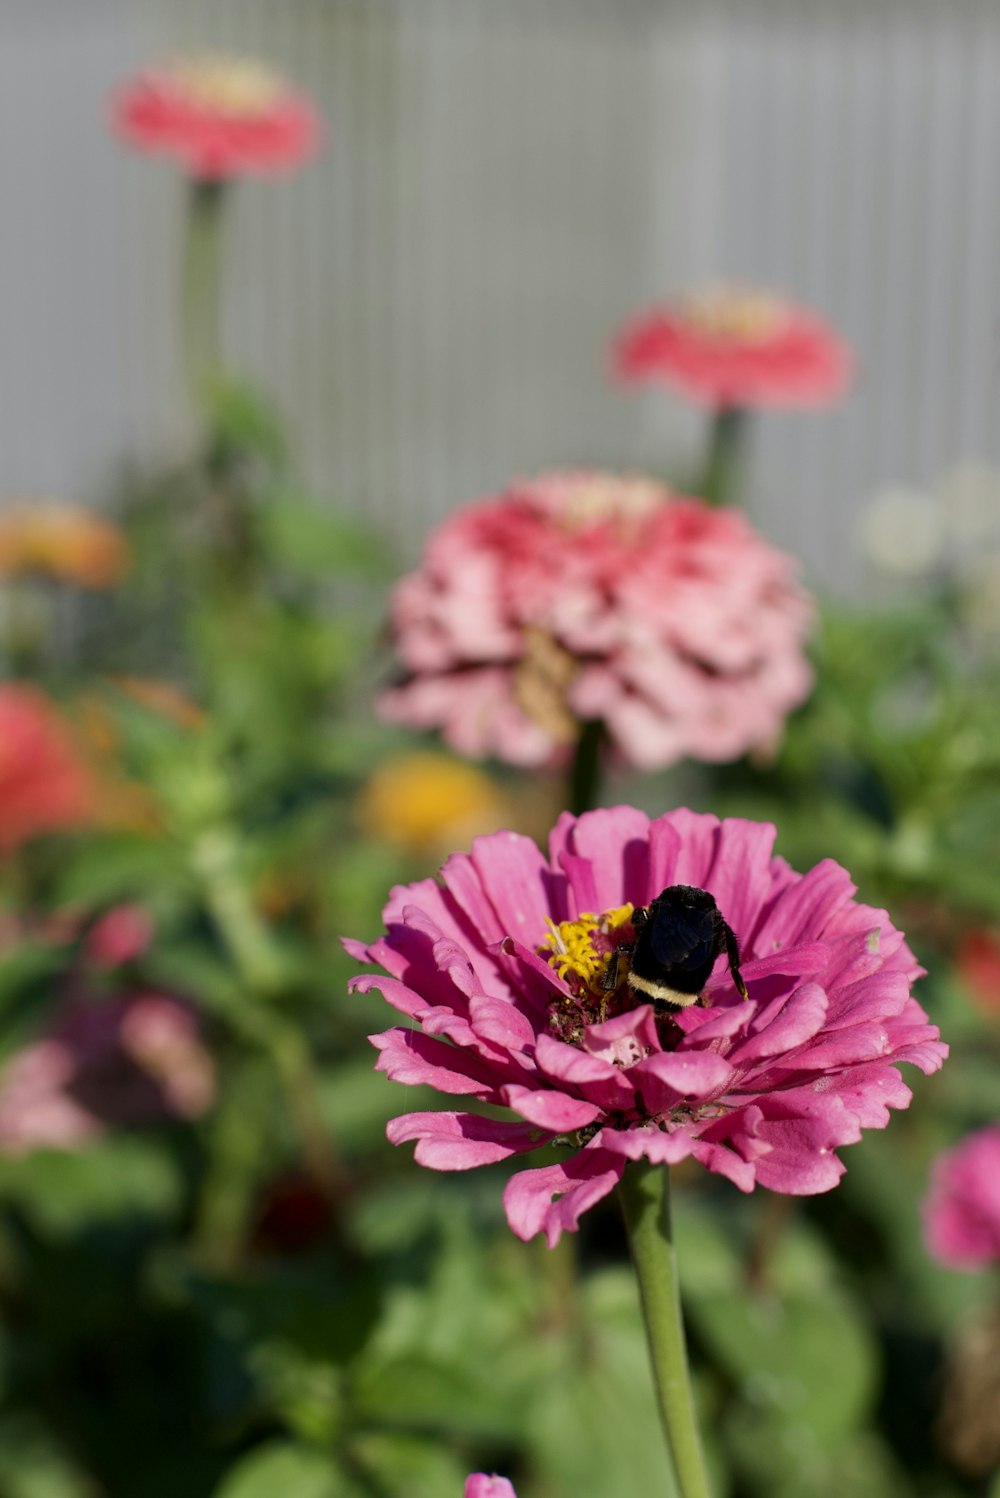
pixel 63 541
pixel 424 802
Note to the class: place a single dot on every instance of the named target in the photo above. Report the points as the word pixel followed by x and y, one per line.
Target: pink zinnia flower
pixel 581 596
pixel 501 967
pixel 478 1485
pixel 130 1061
pixel 44 784
pixel 219 117
pixel 731 347
pixel 962 1209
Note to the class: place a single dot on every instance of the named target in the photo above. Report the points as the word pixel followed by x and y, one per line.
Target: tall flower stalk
pixel 721 480
pixel 645 1198
pixel 202 285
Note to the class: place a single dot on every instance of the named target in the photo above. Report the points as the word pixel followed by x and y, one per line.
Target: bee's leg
pixel 733 954
pixel 609 981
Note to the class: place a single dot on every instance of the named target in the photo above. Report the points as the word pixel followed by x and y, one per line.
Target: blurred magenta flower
pixel 45 786
pixel 502 967
pixel 962 1208
pixel 579 596
pixel 478 1485
pixel 120 935
pixel 977 962
pixel 734 347
pixel 219 117
pixel 130 1061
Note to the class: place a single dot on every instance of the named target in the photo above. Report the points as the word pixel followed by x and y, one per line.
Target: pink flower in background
pixel 478 1485
pixel 219 117
pixel 131 1061
pixel 503 966
pixel 962 1209
pixel 44 784
pixel 119 936
pixel 581 596
pixel 733 347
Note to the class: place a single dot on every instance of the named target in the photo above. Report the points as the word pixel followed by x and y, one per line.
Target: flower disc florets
pixel 583 596
pixel 501 970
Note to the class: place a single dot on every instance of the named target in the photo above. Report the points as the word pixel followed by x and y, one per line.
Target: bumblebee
pixel 678 936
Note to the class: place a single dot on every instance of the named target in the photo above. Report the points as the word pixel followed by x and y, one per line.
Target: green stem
pixel 724 460
pixel 260 964
pixel 585 771
pixel 645 1198
pixel 202 292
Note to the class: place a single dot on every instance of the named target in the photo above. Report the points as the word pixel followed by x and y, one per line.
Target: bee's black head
pixel 684 897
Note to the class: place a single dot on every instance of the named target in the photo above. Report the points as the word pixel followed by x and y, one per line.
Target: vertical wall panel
pixel 505 181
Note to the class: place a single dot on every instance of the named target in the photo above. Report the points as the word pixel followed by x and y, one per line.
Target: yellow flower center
pixel 577 501
pixel 230 85
pixel 581 950
pixel 735 313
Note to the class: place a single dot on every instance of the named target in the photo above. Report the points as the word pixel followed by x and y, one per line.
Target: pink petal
pixel 418 1060
pixel 550 1110
pixel 553 1198
pixel 478 1485
pixel 598 1080
pixel 460 1141
pixel 614 841
pixel 800 1018
pixel 804 909
pixel 498 1021
pixel 665 1078
pixel 513 871
pixel 624 1039
pixel 698 838
pixel 725 1162
pixel 742 854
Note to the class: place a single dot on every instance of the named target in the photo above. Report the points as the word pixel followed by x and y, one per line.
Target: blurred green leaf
pixel 62 1192
pixel 33 1465
pixel 283 1470
pixel 318 542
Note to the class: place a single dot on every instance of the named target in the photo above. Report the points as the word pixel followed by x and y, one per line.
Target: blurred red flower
pixel 219 117
pixel 978 963
pixel 44 784
pixel 729 347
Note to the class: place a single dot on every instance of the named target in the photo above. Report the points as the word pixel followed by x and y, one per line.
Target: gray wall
pixel 505 181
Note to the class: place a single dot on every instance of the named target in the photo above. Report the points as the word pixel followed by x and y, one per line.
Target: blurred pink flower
pixel 962 1209
pixel 129 1061
pixel 581 596
pixel 219 117
pixel 501 967
pixel 121 935
pixel 478 1485
pixel 732 347
pixel 44 784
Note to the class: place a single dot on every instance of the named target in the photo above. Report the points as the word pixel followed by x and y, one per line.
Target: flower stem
pixel 645 1198
pixel 585 771
pixel 202 292
pixel 724 460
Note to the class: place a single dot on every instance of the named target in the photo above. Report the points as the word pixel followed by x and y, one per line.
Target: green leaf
pixel 283 1470
pixel 32 1465
pixel 317 541
pixel 408 1466
pixel 61 1193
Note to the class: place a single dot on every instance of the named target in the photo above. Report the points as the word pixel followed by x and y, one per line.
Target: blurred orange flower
pixel 63 541
pixel 162 697
pixel 45 786
pixel 423 802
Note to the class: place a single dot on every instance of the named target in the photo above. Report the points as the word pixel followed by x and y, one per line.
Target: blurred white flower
pixel 903 531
